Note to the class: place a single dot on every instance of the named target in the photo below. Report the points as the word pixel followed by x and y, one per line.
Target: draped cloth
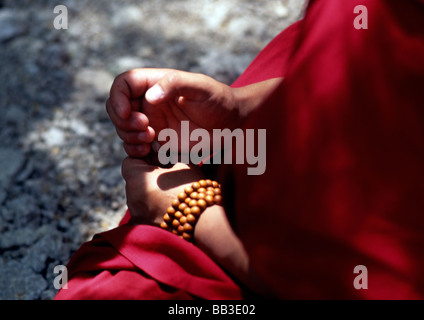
pixel 344 179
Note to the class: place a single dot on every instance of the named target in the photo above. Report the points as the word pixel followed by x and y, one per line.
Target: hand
pixel 165 98
pixel 150 189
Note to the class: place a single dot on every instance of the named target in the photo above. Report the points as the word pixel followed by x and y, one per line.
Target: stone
pixel 14 115
pixel 26 171
pixel 17 237
pixel 97 80
pixel 25 209
pixel 54 137
pixel 111 176
pixel 216 13
pixel 79 127
pixel 20 282
pixel 127 16
pixel 12 24
pixel 49 246
pixel 11 160
pixel 3 195
pixel 127 63
pixel 281 10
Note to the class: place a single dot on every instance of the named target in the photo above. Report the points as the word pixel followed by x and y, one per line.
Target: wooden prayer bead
pixel 184 212
pixel 217 199
pixel 209 200
pixel 209 193
pixel 182 196
pixel 175 203
pixel 167 218
pixel 191 218
pixel 175 223
pixel 202 204
pixel 188 227
pixel 195 211
pixel 182 206
pixel 180 229
pixel 188 190
pixel 187 236
pixel 192 203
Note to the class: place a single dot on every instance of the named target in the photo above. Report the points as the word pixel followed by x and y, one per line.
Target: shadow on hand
pixel 172 179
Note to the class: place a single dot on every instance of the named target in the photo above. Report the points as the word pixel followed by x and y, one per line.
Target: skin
pixel 144 101
pixel 197 98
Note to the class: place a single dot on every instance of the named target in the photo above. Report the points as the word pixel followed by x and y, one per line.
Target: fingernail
pixel 154 93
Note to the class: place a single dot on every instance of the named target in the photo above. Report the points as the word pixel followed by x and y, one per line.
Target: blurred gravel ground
pixel 60 180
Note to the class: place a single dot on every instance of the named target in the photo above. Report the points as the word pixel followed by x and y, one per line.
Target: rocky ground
pixel 60 180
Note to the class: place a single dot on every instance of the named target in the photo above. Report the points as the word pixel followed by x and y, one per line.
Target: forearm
pixel 214 235
pixel 250 97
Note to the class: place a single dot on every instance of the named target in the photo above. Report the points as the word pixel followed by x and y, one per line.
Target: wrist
pixel 249 98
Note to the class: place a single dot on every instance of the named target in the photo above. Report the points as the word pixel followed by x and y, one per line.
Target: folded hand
pixel 150 189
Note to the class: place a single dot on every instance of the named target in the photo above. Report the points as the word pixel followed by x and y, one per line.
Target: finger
pixel 136 121
pixel 178 83
pixel 111 112
pixel 130 86
pixel 137 150
pixel 130 167
pixel 136 137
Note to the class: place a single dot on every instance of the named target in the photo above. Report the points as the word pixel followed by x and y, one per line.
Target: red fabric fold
pixel 134 262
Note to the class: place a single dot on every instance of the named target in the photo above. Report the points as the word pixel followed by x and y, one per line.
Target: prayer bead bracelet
pixel 181 217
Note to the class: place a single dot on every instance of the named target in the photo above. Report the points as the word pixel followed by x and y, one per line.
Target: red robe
pixel 344 181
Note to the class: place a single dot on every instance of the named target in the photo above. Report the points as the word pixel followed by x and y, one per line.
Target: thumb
pixel 155 94
pixel 179 83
